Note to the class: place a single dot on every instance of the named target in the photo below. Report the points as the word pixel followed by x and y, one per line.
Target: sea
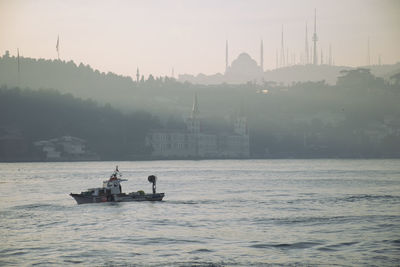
pixel 336 212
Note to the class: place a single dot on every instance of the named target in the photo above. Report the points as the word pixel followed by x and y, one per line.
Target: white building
pixel 65 148
pixel 193 143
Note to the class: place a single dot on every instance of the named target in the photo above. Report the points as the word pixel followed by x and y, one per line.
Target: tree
pixel 359 79
pixel 396 78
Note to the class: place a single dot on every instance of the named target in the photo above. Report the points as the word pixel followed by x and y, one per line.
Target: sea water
pixel 215 213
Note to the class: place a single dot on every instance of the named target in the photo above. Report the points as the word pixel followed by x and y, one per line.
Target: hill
pixel 159 95
pixel 67 77
pixel 28 116
pixel 290 74
pixel 355 117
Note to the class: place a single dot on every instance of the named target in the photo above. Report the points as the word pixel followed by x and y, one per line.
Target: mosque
pixel 243 69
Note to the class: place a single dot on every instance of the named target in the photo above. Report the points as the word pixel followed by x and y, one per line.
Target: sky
pixel 189 36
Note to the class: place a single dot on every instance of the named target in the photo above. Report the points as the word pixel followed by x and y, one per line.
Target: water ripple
pixel 225 213
pixel 296 245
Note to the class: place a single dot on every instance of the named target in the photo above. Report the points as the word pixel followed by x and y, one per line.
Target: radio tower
pixel 306 48
pixel 315 38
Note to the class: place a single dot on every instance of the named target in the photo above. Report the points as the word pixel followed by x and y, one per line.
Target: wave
pixel 316 220
pixel 201 250
pixel 34 206
pixel 192 202
pixel 339 199
pixel 396 242
pixel 296 245
pixel 75 261
pixel 195 264
pixel 360 197
pixel 161 240
pixel 338 246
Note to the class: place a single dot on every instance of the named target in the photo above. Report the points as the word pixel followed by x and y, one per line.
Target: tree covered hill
pixel 158 95
pixel 80 80
pixel 35 115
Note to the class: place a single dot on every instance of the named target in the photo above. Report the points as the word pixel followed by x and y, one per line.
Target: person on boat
pixel 114 175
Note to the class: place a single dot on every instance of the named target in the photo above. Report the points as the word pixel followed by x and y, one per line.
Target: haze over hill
pixel 355 117
pixel 154 93
pixel 288 75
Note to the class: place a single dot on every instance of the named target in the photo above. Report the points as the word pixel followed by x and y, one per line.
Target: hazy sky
pixel 190 35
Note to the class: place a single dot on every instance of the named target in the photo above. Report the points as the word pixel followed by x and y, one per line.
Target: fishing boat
pixel 112 192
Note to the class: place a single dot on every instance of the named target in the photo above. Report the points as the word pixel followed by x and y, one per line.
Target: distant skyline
pixel 190 36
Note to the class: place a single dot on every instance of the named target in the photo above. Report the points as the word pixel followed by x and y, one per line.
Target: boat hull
pixel 86 199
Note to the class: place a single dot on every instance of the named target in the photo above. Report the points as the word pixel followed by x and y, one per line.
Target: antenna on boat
pixel 153 179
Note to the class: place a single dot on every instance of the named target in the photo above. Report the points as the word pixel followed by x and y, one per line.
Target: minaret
pixel 330 54
pixel 306 48
pixel 315 38
pixel 137 75
pixel 172 73
pixel 58 47
pixel 195 108
pixel 262 56
pixel 19 69
pixel 240 125
pixel 277 63
pixel 287 56
pixel 193 124
pixel 226 56
pixel 322 57
pixel 282 61
pixel 368 54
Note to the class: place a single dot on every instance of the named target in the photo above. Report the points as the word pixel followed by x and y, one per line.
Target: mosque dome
pixel 244 65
